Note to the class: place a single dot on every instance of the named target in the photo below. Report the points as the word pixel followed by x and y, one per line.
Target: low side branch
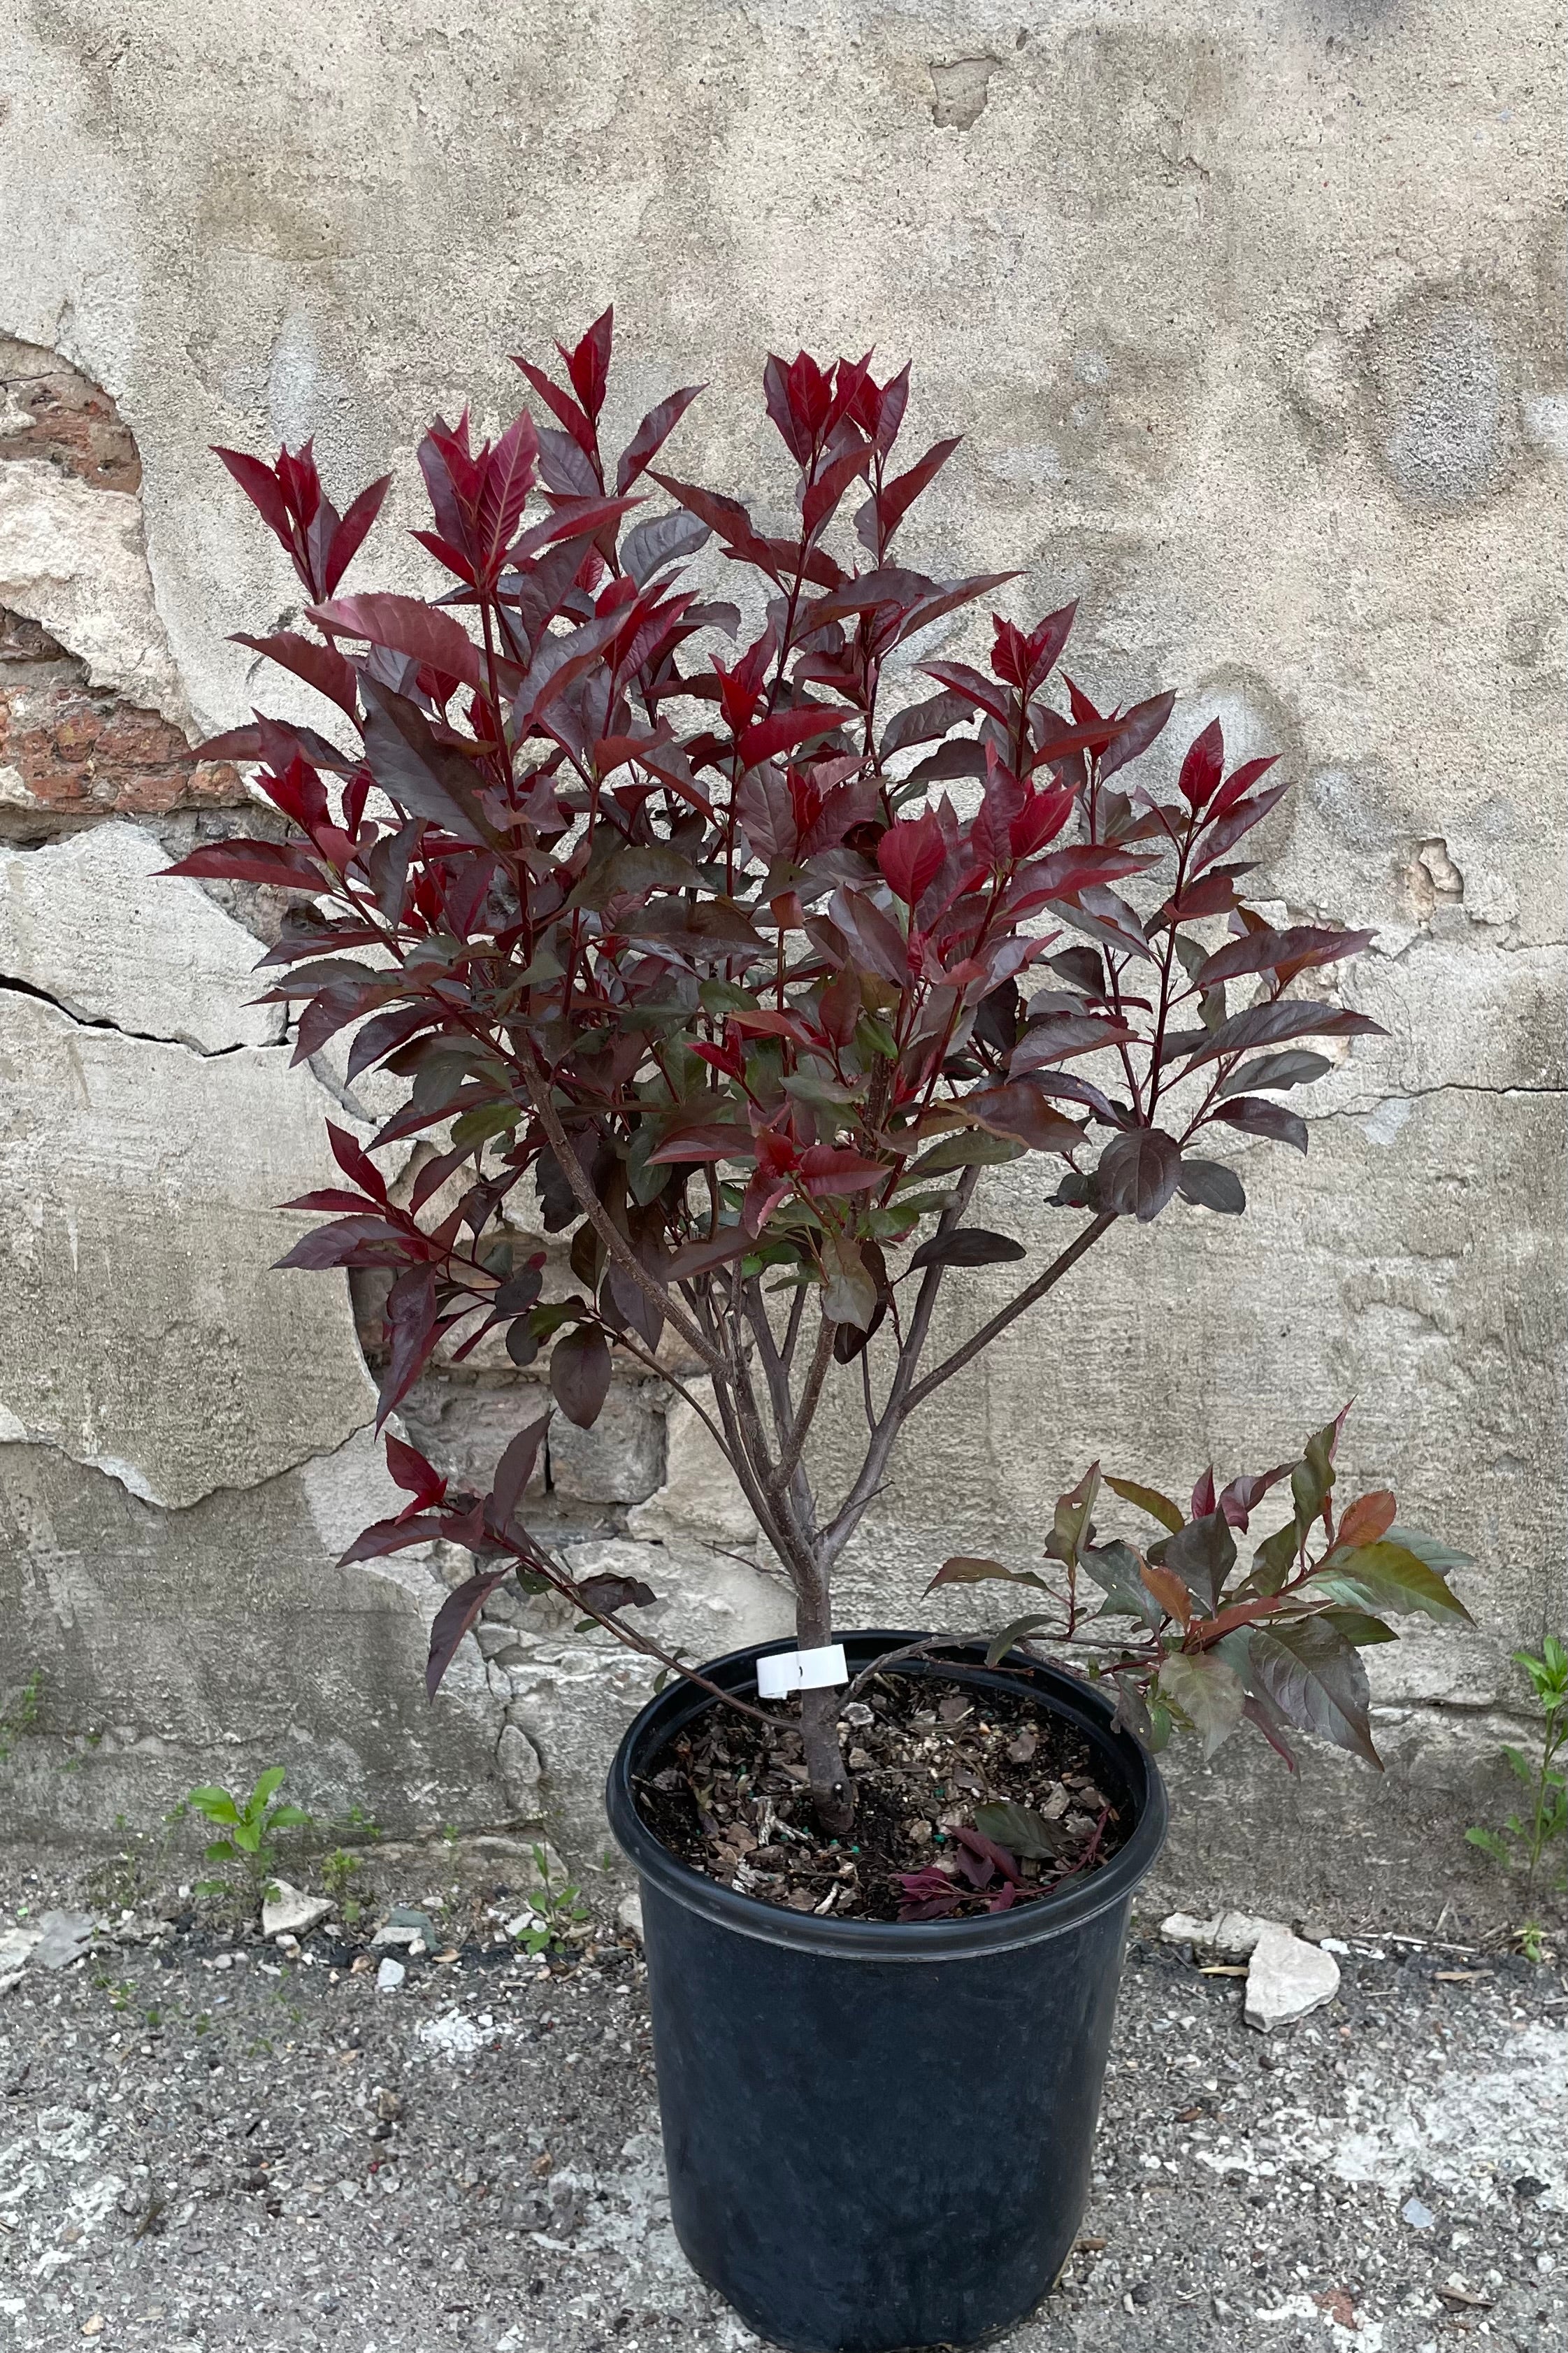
pixel 999 1323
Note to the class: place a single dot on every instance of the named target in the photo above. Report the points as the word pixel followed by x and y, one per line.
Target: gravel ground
pixel 203 2144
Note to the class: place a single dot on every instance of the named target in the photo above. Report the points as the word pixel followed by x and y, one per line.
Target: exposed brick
pixel 50 411
pixel 70 755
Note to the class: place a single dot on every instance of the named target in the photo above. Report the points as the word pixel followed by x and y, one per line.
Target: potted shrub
pixel 660 905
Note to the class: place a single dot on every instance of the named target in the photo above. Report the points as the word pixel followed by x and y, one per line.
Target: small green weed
pixel 21 1715
pixel 1521 1846
pixel 248 1826
pixel 556 1910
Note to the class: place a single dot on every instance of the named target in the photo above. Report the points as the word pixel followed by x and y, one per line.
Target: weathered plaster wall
pixel 1253 320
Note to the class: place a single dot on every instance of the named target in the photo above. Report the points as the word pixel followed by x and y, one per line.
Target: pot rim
pixel 1062 1692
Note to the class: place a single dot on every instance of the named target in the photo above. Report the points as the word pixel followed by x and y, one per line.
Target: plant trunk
pixel 832 1790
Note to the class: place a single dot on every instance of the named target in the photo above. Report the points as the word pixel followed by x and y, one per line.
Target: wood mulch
pixel 732 1799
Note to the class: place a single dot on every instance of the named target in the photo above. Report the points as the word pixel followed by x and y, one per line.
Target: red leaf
pixel 361 1240
pixel 822 499
pixel 350 533
pixel 409 627
pixel 1022 1112
pixel 1202 767
pixel 262 487
pixel 279 864
pixel 410 1316
pixel 899 495
pixel 510 472
pixel 589 365
pixel 787 728
pixel 1136 730
pixel 910 855
pixel 322 667
pixel 413 1473
pixel 704 1140
pixel 453 1620
pixel 652 434
pixel 826 1171
pixel 1367 1521
pixel 356 1164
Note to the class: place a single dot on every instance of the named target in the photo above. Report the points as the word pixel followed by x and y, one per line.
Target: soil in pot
pixel 967 1801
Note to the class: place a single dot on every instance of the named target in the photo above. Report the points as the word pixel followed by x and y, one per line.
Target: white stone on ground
pixel 1234 1934
pixel 64 1938
pixel 287 1911
pixel 1287 1978
pixel 628 1915
pixel 390 1976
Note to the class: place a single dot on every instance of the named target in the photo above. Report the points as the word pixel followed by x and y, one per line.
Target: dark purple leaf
pixel 1203 1555
pixel 1266 1024
pixel 515 1469
pixel 1316 1680
pixel 608 1594
pixel 1138 1173
pixel 579 1374
pixel 1255 1116
pixel 967 1245
pixel 1211 1185
pixel 453 1620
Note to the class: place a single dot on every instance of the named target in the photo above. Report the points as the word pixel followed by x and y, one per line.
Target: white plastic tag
pixel 783 1671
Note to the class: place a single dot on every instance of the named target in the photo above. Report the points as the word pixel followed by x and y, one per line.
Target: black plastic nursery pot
pixel 878 2136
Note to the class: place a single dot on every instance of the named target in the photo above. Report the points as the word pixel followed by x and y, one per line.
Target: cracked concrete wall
pixel 1253 322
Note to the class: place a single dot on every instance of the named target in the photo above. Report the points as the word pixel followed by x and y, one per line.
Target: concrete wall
pixel 1253 320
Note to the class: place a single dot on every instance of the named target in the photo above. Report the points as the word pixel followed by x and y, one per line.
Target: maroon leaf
pixel 786 729
pixel 1138 1173
pixel 1211 1185
pixel 413 1473
pixel 515 1469
pixel 350 534
pixel 967 1245
pixel 1256 1116
pixel 282 865
pixel 1268 1025
pixel 1137 730
pixel 652 433
pixel 1202 767
pixel 453 1620
pixel 414 769
pixel 579 1374
pixel 607 1594
pixel 1269 951
pixel 1317 1681
pixel 413 1330
pixel 352 1241
pixel 1020 1110
pixel 322 667
pixel 410 627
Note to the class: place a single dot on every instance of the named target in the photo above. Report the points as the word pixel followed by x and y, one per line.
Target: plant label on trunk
pixel 793 1671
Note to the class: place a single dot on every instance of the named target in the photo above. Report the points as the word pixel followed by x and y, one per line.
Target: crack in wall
pixel 13 986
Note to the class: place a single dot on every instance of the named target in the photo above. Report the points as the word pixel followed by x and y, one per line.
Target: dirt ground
pixel 206 2144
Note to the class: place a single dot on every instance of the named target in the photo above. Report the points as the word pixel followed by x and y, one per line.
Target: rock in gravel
pixel 290 1912
pixel 1234 1934
pixel 390 1976
pixel 405 1930
pixel 15 1945
pixel 1286 1978
pixel 64 1937
pixel 628 1915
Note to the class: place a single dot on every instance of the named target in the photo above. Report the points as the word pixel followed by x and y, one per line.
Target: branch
pixel 598 1217
pixel 884 1436
pixel 809 1398
pixel 1010 1314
